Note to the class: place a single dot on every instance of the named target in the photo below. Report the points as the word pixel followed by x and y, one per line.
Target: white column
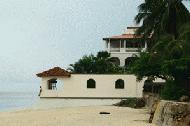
pixel 125 45
pixel 145 47
pixel 120 46
pixel 109 45
pixel 122 61
pixel 106 44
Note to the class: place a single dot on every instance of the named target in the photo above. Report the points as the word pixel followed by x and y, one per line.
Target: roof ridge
pixel 56 71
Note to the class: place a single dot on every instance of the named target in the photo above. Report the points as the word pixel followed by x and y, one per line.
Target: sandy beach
pixel 76 116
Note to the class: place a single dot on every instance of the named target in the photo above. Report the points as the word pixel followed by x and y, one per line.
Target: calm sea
pixel 17 100
pixel 10 101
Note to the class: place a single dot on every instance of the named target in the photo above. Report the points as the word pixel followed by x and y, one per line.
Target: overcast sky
pixel 36 35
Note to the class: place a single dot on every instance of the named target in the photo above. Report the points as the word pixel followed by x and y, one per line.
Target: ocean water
pixel 17 100
pixel 10 101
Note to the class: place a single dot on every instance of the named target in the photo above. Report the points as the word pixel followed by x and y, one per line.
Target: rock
pixel 184 99
pixel 150 99
pixel 170 113
pixel 104 113
pixel 152 111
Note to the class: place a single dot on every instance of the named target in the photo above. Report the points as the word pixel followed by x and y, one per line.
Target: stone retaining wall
pixel 172 114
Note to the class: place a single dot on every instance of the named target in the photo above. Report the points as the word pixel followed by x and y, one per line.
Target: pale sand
pixel 76 116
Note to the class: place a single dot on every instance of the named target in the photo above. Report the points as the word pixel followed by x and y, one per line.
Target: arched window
pixel 114 60
pixel 119 84
pixel 129 61
pixel 91 83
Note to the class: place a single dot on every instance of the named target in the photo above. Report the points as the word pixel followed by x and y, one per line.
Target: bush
pixel 131 102
pixel 173 91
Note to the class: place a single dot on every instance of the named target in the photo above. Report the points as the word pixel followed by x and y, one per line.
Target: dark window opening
pixel 135 44
pixel 115 43
pixel 129 61
pixel 52 84
pixel 119 84
pixel 91 83
pixel 115 61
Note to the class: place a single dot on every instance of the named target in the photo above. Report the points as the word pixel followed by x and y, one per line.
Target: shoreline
pixel 80 116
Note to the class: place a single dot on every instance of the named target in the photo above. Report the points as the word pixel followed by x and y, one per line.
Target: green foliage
pixel 84 65
pixel 162 16
pixel 177 68
pixel 168 59
pixel 148 65
pixel 95 65
pixel 173 91
pixel 103 55
pixel 168 21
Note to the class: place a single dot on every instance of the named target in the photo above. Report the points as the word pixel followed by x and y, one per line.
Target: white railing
pixel 114 49
pixel 132 50
pixel 124 49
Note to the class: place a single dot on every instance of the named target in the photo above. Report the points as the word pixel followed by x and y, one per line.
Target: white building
pixel 123 48
pixel 58 83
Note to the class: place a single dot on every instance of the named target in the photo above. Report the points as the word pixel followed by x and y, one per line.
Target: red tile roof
pixel 56 71
pixel 124 36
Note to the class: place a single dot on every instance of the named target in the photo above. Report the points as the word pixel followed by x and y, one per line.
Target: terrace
pixel 124 46
pixel 127 42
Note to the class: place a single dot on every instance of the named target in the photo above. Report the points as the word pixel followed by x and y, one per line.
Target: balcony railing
pixel 114 49
pixel 133 49
pixel 124 49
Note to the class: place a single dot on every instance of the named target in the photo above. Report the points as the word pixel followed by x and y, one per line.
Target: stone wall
pixel 172 114
pixel 150 99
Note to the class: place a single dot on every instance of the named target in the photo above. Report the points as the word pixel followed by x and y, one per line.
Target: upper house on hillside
pixel 123 48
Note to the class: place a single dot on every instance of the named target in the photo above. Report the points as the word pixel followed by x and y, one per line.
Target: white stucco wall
pixel 76 87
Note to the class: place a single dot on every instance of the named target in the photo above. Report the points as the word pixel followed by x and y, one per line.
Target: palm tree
pixel 168 59
pixel 169 55
pixel 161 16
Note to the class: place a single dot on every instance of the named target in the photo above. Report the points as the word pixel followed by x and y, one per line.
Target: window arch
pixel 114 60
pixel 129 61
pixel 91 83
pixel 119 84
